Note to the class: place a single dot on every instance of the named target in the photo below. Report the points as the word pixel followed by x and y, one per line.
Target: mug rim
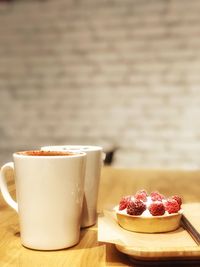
pixel 22 154
pixel 81 148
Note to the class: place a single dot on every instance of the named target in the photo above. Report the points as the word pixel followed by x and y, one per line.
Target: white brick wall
pixel 113 73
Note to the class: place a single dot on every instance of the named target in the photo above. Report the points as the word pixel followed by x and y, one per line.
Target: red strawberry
pixel 141 195
pixel 135 207
pixel 156 196
pixel 124 202
pixel 172 206
pixel 178 199
pixel 157 208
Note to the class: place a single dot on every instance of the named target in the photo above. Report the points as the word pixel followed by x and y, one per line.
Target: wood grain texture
pixel 90 252
pixel 116 182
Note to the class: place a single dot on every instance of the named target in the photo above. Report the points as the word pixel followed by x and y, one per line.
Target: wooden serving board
pixel 177 244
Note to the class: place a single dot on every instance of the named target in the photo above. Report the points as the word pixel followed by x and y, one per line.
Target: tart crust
pixel 153 224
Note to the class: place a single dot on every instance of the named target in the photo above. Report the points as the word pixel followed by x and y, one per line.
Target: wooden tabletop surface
pixel 89 252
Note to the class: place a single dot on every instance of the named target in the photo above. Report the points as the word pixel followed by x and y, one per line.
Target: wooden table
pixel 89 252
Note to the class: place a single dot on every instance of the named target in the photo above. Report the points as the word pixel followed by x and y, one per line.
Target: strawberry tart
pixel 153 213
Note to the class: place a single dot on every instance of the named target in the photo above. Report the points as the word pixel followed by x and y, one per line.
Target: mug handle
pixel 4 185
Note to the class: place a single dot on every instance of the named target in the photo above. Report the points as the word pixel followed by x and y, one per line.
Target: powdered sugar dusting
pixel 146 213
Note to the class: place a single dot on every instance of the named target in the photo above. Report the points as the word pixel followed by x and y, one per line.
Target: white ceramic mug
pixel 94 161
pixel 49 191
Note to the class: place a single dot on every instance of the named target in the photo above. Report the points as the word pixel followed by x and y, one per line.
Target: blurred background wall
pixel 123 74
